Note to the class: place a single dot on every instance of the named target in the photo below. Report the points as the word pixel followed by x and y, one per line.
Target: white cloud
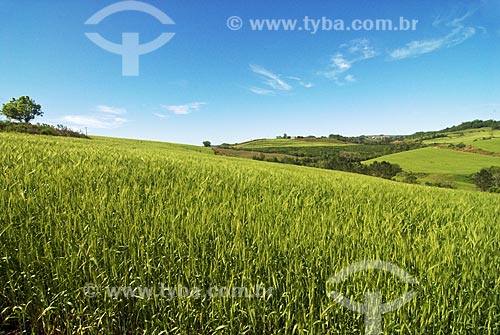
pixel 360 49
pixel 185 109
pixel 111 110
pixel 270 79
pixel 416 48
pixel 350 78
pixel 353 52
pixel 161 116
pixel 340 63
pixel 459 34
pixel 301 82
pixel 107 118
pixel 94 121
pixel 261 91
pixel 274 83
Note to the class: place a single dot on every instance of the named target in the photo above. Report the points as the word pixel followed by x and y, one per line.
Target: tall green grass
pixel 128 213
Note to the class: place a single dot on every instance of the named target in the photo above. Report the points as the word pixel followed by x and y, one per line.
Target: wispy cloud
pixel 161 116
pixel 270 79
pixel 350 78
pixel 360 49
pixel 459 33
pixel 94 122
pixel 184 109
pixel 103 117
pixel 111 110
pixel 274 83
pixel 301 82
pixel 353 52
pixel 261 91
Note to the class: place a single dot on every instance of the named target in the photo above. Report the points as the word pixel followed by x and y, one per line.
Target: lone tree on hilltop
pixel 23 109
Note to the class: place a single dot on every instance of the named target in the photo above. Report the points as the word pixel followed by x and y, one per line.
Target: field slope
pixel 441 164
pixel 120 213
pixel 483 138
pixel 437 160
pixel 492 145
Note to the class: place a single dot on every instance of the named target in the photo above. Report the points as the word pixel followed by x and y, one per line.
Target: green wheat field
pixel 125 213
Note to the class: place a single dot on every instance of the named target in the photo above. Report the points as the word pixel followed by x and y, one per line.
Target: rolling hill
pixel 440 165
pixel 468 136
pixel 446 158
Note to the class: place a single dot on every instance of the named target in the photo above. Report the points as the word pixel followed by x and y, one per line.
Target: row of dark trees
pixel 421 136
pixel 377 169
pixel 476 124
pixel 363 139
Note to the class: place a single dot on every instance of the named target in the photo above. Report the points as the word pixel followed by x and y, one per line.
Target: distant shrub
pixel 487 179
pixel 408 177
pixel 47 131
pixel 440 184
pixel 494 189
pixel 384 169
pixel 259 157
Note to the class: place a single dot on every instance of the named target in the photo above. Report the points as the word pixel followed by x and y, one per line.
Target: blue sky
pixel 212 83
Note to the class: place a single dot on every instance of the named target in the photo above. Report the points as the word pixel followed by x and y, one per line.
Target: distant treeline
pixel 476 124
pixel 421 135
pixel 363 139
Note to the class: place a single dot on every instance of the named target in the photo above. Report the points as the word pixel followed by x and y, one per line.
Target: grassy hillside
pixel 484 138
pixel 442 165
pixel 469 137
pixel 492 145
pixel 450 169
pixel 440 161
pixel 139 214
pixel 357 151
